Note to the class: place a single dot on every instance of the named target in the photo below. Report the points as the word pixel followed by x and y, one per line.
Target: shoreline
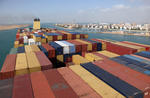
pixel 8 27
pixel 120 33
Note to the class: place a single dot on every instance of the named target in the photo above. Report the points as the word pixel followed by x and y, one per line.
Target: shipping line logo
pixel 59 86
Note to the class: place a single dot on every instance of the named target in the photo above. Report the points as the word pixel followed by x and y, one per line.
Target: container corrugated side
pixel 35 48
pixel 22 87
pixel 125 74
pixel 41 88
pixel 98 85
pixel 141 57
pixel 59 86
pixel 108 54
pixel 132 66
pixel 113 81
pixel 33 62
pixel 44 61
pixel 13 51
pixel 77 59
pixel 131 46
pixel 91 57
pixel 28 48
pixel 71 46
pixel 147 47
pixel 81 88
pixel 138 59
pixel 65 47
pixel 6 88
pixel 8 69
pixel 89 48
pixel 21 64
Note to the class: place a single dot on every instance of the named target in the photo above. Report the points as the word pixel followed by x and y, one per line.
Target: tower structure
pixel 36 24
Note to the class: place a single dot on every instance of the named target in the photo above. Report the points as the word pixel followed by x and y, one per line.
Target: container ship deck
pixel 51 63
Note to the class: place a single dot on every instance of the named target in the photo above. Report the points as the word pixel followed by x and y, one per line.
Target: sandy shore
pixel 7 27
pixel 125 33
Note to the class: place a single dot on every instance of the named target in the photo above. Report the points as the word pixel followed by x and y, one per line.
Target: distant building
pixel 36 24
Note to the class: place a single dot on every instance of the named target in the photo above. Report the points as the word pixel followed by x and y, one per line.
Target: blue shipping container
pixel 58 48
pixel 21 50
pixel 121 86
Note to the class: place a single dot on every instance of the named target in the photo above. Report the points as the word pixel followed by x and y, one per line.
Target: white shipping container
pixel 31 42
pixel 65 47
pixel 25 39
pixel 38 43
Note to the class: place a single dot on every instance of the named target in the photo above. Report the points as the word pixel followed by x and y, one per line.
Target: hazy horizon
pixel 74 11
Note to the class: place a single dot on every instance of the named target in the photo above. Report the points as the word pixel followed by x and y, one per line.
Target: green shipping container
pixel 13 51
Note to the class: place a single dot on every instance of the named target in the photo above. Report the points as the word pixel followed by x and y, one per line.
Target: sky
pixel 75 11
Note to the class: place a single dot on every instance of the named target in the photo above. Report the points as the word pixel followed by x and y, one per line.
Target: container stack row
pixel 24 60
pixel 62 51
pixel 30 37
pixel 103 78
pixel 123 47
pixel 139 61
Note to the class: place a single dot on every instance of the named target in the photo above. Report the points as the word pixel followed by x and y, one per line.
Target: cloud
pixel 116 14
pixel 120 6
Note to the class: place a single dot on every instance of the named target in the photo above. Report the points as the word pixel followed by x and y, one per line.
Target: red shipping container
pixel 94 45
pixel 44 61
pixel 125 74
pixel 17 35
pixel 82 36
pixel 22 87
pixel 8 69
pixel 50 49
pixel 40 86
pixel 78 85
pixel 21 40
pixel 130 43
pixel 100 55
pixel 55 37
pixel 59 86
pixel 118 49
pixel 77 45
pixel 64 36
pixel 73 36
pixel 84 46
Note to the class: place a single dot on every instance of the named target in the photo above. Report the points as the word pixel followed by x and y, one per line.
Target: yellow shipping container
pixel 28 48
pixel 69 36
pixel 59 37
pixel 89 47
pixel 86 35
pixel 37 39
pixel 131 46
pixel 98 85
pixel 21 64
pixel 16 44
pixel 78 36
pixel 20 45
pixel 103 46
pixel 33 62
pixel 91 57
pixel 108 54
pixel 43 40
pixel 50 38
pixel 77 59
pixel 60 58
pixel 35 48
pixel 138 44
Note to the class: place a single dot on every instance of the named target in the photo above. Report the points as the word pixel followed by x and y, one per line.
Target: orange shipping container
pixel 40 86
pixel 78 85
